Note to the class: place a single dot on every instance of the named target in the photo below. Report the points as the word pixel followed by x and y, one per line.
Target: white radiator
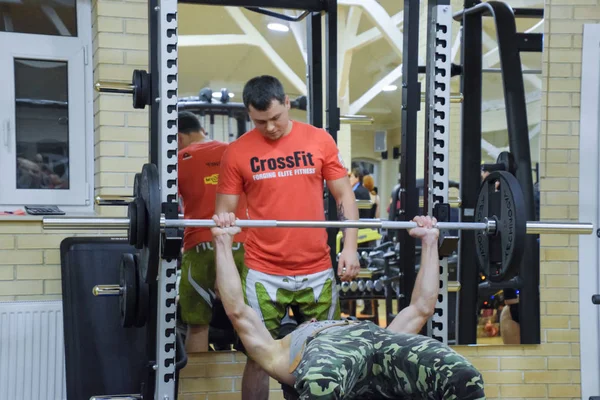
pixel 32 353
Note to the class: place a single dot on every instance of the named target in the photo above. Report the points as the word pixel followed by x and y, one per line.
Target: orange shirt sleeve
pixel 333 165
pixel 230 176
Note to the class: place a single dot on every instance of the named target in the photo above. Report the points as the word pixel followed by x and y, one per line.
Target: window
pixel 46 127
pixel 54 17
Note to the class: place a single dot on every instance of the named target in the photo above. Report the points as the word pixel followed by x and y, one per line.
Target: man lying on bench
pixel 354 359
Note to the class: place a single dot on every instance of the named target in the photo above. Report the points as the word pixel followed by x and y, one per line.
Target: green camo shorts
pixel 197 285
pixel 365 361
pixel 315 295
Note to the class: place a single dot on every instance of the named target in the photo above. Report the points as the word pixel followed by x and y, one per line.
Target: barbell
pixel 500 224
pixel 489 227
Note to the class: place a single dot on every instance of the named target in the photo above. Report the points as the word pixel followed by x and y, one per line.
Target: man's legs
pixel 269 296
pixel 317 296
pixel 419 366
pixel 196 295
pixel 197 292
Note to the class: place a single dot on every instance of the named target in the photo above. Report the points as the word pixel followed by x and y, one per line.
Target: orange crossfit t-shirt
pixel 283 180
pixel 198 169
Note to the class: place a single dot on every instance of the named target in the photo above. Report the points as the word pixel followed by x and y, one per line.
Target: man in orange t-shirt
pixel 280 166
pixel 198 166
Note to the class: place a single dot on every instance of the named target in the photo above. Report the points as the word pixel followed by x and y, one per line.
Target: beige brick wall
pixel 120 45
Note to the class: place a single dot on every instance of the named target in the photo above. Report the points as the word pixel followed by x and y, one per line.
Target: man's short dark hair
pixel 188 122
pixel 259 92
pixel 357 172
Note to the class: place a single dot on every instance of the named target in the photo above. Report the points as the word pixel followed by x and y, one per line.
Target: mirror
pixel 206 66
pixel 497 309
pixel 498 318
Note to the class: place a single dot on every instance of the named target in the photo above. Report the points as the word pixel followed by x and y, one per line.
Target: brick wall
pixel 120 45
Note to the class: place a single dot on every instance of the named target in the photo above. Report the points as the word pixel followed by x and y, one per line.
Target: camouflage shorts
pixel 365 361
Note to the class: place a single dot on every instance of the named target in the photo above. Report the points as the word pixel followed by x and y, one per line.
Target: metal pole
pixel 332 122
pixel 114 87
pixel 437 128
pixel 454 97
pixel 470 179
pixel 314 70
pixel 533 227
pixel 409 196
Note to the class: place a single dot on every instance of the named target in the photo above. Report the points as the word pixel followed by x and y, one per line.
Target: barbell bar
pixel 489 226
pixel 454 97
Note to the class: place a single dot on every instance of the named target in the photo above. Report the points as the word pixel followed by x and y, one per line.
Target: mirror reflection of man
pixel 360 192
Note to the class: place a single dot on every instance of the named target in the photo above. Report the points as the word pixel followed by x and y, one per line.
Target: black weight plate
pixel 150 193
pixel 508 160
pixel 136 184
pixel 499 255
pixel 133 222
pixel 145 95
pixel 143 298
pixel 142 219
pixel 128 298
pixel 137 83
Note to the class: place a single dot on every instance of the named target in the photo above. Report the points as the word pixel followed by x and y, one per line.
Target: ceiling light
pixel 390 88
pixel 274 26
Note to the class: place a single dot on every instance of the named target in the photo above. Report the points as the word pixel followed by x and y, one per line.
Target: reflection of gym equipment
pixel 364 236
pixel 203 104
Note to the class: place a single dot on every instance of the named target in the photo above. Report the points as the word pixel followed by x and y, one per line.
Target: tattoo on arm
pixel 341 216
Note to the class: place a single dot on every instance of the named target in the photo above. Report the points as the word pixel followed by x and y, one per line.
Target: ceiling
pixel 206 61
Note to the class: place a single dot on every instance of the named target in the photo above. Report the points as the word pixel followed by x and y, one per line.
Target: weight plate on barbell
pixel 129 295
pixel 136 184
pixel 141 88
pixel 133 223
pixel 150 193
pixel 142 221
pixel 501 199
pixel 141 311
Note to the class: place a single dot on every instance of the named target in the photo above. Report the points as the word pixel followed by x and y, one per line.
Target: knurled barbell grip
pixel 107 290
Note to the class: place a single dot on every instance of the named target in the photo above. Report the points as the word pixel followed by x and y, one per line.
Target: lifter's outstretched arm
pixel 426 289
pixel 259 344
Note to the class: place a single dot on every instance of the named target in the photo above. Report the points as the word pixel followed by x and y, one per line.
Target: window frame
pixel 76 51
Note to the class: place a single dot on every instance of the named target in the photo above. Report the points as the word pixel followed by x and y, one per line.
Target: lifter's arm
pixel 259 344
pixel 226 203
pixel 426 289
pixel 347 209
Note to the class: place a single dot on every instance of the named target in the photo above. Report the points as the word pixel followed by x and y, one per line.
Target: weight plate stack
pixel 150 194
pixel 129 295
pixel 143 298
